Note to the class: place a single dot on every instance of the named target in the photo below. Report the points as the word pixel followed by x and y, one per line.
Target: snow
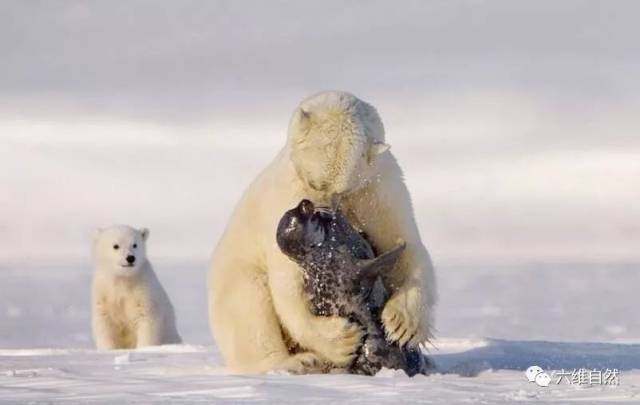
pixel 194 373
pixel 554 316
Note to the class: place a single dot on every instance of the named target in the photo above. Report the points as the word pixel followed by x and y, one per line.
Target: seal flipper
pixel 372 268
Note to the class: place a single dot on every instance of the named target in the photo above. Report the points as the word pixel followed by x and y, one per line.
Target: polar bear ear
pixel 376 149
pixel 304 117
pixel 144 232
pixel 95 235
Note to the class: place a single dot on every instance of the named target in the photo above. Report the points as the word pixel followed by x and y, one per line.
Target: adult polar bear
pixel 335 152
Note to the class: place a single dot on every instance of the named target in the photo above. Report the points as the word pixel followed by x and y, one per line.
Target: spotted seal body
pixel 341 276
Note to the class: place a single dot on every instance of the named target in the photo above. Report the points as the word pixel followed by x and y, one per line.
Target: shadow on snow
pixel 519 355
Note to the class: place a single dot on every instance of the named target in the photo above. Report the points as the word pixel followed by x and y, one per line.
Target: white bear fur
pixel 130 307
pixel 335 153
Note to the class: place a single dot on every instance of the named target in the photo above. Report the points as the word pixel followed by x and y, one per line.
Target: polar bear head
pixel 334 139
pixel 120 249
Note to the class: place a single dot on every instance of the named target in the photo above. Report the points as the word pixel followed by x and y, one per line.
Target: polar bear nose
pixel 131 259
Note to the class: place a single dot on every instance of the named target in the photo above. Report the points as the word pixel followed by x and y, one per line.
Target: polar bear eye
pixel 116 247
pixel 135 245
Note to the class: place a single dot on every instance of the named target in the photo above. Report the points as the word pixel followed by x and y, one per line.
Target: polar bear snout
pixel 319 185
pixel 131 259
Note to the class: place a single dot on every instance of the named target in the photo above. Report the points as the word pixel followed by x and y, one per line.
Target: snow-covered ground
pixel 193 373
pixel 493 323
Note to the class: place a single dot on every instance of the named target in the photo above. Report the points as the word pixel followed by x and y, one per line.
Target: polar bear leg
pixel 148 333
pixel 244 322
pixel 385 213
pixel 104 333
pixel 407 315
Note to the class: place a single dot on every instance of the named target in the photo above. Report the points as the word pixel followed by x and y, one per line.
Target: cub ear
pixel 145 233
pixel 304 114
pixel 376 149
pixel 96 234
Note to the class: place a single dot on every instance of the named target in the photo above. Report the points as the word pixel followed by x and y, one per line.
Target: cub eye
pixel 135 245
pixel 116 247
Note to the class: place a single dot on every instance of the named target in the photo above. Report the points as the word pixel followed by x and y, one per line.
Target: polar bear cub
pixel 130 307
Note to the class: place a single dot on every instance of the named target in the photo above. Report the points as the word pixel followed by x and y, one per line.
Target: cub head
pixel 301 229
pixel 120 249
pixel 334 140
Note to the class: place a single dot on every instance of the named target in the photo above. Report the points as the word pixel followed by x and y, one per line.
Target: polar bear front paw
pixel 401 319
pixel 304 363
pixel 340 339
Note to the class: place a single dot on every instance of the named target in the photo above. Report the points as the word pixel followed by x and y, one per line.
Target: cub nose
pixel 131 259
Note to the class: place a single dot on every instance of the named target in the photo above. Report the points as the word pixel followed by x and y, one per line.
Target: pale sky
pixel 516 122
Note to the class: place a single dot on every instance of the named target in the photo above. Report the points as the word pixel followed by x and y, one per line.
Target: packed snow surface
pixel 493 323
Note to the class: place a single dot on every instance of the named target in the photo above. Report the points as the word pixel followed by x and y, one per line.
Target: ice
pixel 123 359
pixel 388 373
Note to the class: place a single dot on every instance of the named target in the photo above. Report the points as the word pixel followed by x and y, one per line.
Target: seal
pixel 341 276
